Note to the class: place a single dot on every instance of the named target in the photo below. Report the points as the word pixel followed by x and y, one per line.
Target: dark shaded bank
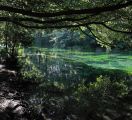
pixel 13 105
pixel 28 100
pixel 14 94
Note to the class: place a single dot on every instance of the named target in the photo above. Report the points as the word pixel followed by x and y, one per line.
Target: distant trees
pixel 13 37
pixel 83 40
pixel 65 38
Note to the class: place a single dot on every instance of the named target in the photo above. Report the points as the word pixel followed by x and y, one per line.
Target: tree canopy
pixel 115 15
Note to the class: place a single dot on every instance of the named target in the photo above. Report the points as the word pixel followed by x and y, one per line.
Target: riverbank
pixel 13 105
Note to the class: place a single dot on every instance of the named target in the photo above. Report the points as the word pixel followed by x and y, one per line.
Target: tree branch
pixel 54 21
pixel 95 10
pixel 112 29
pixel 104 42
pixel 46 26
pixel 60 26
pixel 92 37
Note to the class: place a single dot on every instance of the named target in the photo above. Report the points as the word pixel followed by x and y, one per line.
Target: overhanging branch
pixel 39 21
pixel 46 26
pixel 115 30
pixel 61 26
pixel 95 10
pixel 104 42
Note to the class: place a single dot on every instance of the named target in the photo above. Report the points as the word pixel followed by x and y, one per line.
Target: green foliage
pixel 3 53
pixel 112 40
pixel 99 95
pixel 58 4
pixel 82 99
pixel 103 87
pixel 13 37
pixel 33 75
